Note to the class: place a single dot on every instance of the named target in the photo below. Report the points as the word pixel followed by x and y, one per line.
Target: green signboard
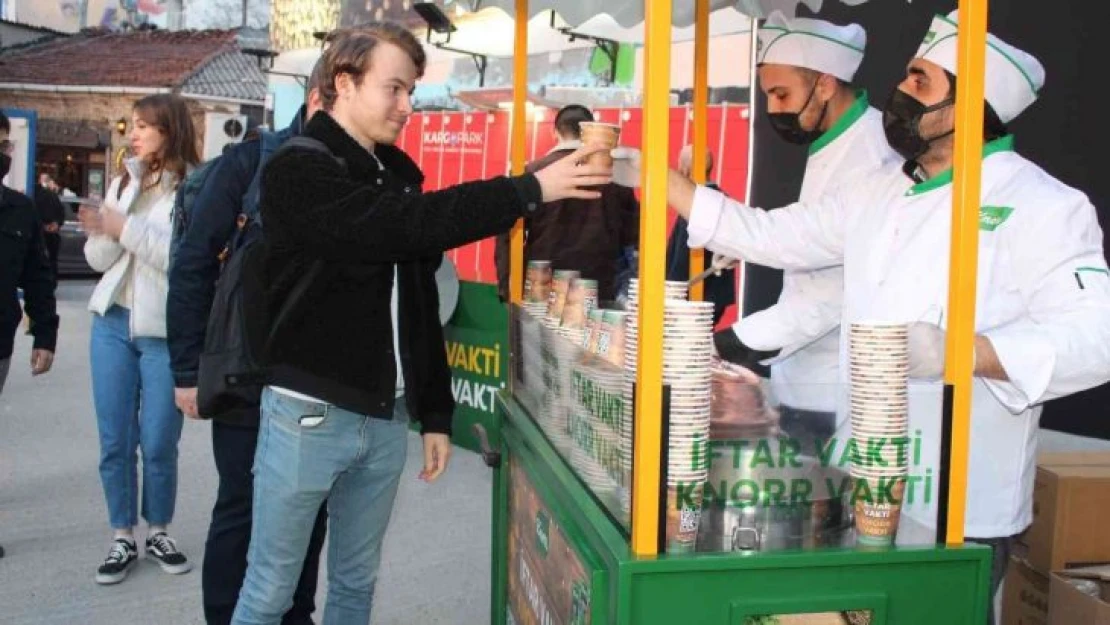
pixel 477 345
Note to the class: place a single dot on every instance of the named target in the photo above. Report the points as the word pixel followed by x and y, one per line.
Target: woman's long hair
pixel 170 115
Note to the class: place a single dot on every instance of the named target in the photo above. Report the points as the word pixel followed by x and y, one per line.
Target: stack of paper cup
pixel 580 300
pixel 537 288
pixel 538 310
pixel 557 298
pixel 537 282
pixel 568 352
pixel 594 320
pixel 879 367
pixel 671 290
pixel 531 348
pixel 612 336
pixel 687 354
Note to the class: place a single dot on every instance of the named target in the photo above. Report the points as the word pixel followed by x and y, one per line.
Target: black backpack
pixel 187 192
pixel 232 368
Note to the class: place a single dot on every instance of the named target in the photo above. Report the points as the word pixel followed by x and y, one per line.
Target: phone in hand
pixel 88 202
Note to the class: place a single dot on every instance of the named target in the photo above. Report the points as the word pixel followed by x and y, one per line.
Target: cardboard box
pixel 1072 606
pixel 1071 511
pixel 1024 595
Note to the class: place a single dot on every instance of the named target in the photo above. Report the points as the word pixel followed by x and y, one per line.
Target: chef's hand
pixel 437 451
pixel 728 347
pixel 926 344
pixel 723 263
pixel 41 361
pixel 186 401
pixel 626 167
pixel 572 177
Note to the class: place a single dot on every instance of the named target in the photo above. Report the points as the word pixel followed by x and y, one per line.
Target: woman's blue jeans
pixel 133 395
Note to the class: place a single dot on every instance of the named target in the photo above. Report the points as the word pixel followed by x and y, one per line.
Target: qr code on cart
pixel 688 520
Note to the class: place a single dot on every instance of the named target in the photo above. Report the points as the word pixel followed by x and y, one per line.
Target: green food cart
pixel 584 525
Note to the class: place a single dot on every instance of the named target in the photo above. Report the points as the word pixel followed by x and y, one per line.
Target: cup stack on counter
pixel 537 288
pixel 628 356
pixel 687 354
pixel 879 368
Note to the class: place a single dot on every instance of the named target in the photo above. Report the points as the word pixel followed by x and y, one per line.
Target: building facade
pixel 82 89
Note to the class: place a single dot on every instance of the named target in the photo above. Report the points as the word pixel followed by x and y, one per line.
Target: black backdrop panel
pixel 1064 132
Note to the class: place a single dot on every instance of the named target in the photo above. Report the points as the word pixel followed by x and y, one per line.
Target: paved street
pixel 53 522
pixel 53 525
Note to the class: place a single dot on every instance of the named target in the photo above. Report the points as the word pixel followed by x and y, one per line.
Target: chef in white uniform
pixel 1043 301
pixel 806 67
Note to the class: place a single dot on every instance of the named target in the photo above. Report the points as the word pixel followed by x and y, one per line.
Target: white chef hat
pixel 813 44
pixel 1013 77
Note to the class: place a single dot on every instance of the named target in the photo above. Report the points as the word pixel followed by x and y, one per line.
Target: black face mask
pixel 902 124
pixel 789 125
pixel 5 165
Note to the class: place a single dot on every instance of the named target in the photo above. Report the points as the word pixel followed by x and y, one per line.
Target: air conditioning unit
pixel 221 130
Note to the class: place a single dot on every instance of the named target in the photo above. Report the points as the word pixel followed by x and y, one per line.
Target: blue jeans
pixel 133 394
pixel 309 452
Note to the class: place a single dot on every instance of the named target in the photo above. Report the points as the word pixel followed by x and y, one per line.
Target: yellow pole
pixel 701 124
pixel 517 150
pixel 653 233
pixel 959 369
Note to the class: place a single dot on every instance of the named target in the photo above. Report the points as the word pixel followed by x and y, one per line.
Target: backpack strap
pixel 269 143
pixel 309 143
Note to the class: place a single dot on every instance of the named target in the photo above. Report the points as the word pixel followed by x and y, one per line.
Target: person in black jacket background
pixel 588 236
pixel 231 189
pixel 23 265
pixel 353 356
pixel 53 216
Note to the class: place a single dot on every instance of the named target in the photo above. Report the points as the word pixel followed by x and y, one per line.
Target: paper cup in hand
pixel 600 135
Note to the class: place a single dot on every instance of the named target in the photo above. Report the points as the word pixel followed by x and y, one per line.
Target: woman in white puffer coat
pixel 129 241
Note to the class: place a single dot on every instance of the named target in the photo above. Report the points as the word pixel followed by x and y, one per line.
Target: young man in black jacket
pixel 333 417
pixel 230 189
pixel 23 265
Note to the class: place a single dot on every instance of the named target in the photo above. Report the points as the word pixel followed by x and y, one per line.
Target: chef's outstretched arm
pixel 801 236
pixel 1061 345
pixel 680 193
pixel 987 364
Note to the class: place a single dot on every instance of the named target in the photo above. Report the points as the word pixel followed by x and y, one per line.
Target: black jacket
pixel 24 265
pixel 360 222
pixel 50 206
pixel 196 265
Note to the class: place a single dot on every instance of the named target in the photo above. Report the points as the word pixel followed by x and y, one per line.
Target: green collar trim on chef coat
pixel 850 117
pixel 1002 144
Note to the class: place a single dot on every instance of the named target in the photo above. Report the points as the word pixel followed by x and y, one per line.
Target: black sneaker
pixel 163 549
pixel 120 559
